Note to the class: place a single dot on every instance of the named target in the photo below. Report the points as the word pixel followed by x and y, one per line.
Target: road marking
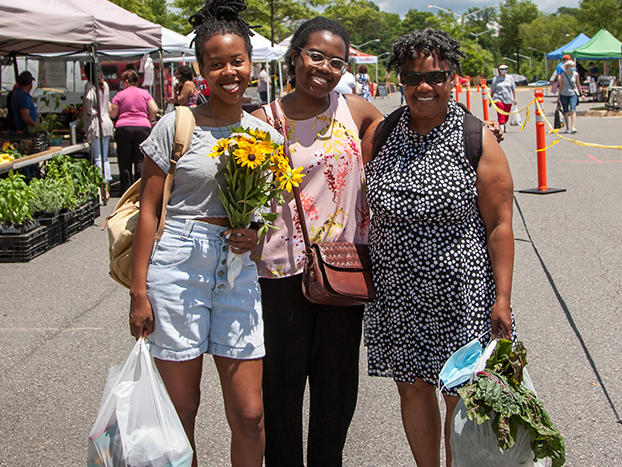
pixel 593 161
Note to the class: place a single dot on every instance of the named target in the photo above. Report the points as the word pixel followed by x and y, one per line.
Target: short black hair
pixel 426 42
pixel 219 17
pixel 301 37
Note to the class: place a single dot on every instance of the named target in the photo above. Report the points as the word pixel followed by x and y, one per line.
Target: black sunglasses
pixel 412 78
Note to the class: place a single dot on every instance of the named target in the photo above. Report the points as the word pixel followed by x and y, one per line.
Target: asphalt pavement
pixel 63 321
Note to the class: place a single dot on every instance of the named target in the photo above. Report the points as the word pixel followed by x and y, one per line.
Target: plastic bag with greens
pixel 499 421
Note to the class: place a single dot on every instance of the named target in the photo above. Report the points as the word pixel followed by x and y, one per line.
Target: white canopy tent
pixel 263 51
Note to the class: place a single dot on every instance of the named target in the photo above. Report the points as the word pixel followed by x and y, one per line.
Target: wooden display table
pixel 40 157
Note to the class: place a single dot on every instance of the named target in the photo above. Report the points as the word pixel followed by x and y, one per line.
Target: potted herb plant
pixel 15 209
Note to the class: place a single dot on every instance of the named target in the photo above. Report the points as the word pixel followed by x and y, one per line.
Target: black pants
pixel 315 341
pixel 128 139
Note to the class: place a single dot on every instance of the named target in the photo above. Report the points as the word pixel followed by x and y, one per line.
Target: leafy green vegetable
pixel 15 196
pixel 499 392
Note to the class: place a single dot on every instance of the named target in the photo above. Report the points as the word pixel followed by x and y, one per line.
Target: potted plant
pixel 15 209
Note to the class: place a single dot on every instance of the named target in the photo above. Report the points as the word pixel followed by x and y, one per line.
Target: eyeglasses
pixel 317 59
pixel 413 78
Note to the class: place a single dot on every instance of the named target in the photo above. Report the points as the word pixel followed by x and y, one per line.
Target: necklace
pixel 217 119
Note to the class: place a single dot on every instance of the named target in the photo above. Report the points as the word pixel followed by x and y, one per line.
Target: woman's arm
pixel 560 85
pixel 363 112
pixel 113 110
pixel 151 193
pixel 495 203
pixel 367 144
pixel 186 92
pixel 152 109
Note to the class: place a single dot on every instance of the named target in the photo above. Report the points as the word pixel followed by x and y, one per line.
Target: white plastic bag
pixel 474 445
pixel 137 424
pixel 515 118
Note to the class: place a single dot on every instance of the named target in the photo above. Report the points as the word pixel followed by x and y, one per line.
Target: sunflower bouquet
pixel 256 172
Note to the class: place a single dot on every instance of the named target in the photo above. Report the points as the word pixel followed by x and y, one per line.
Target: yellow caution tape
pixel 573 141
pixel 552 144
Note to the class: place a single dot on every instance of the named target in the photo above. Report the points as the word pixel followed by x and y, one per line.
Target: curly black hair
pixel 219 17
pixel 426 42
pixel 301 37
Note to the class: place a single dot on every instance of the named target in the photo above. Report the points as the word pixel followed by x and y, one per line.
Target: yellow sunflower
pixel 219 148
pixel 290 178
pixel 259 134
pixel 249 155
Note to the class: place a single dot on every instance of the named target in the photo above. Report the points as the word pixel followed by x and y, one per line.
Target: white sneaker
pixel 574 130
pixel 566 130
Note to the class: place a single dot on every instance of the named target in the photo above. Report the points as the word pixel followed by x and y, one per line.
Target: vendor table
pixel 41 156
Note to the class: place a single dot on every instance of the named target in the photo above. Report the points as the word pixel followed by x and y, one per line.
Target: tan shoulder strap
pixel 184 127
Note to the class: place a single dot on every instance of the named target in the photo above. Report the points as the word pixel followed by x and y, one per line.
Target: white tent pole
pixel 268 79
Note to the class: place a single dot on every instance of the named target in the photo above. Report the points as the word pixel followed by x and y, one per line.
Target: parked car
pixel 520 80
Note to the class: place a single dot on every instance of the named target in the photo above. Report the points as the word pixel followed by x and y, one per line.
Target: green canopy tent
pixel 603 46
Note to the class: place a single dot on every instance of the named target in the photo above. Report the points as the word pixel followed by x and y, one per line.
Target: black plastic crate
pixel 71 224
pixel 22 248
pixel 55 230
pixel 27 143
pixel 85 214
pixel 95 209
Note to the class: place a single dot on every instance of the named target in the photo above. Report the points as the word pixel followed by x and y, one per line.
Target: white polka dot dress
pixel 432 273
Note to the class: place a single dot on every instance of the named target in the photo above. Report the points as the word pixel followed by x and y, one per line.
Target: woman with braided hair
pixel 181 300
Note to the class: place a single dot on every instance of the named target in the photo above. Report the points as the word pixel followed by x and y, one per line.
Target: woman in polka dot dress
pixel 441 240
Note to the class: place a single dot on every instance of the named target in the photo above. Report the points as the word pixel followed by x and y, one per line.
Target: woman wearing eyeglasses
pixel 303 340
pixel 441 240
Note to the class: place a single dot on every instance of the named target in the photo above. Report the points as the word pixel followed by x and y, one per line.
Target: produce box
pixel 26 143
pixel 85 214
pixel 55 230
pixel 71 223
pixel 22 248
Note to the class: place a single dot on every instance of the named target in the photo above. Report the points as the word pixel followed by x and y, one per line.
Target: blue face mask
pixel 571 69
pixel 460 364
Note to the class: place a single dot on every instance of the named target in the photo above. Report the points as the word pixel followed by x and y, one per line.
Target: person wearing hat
pixel 24 110
pixel 569 90
pixel 503 91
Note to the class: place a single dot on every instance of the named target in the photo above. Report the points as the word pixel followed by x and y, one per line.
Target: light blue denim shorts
pixel 195 310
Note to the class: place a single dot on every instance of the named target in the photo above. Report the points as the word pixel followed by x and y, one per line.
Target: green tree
pixel 595 15
pixel 514 13
pixel 155 11
pixel 416 20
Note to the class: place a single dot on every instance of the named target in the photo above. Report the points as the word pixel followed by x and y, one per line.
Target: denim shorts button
pixel 224 248
pixel 221 286
pixel 224 261
pixel 221 273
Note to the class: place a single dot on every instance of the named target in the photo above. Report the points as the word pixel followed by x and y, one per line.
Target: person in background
pixel 22 106
pixel 262 84
pixel 347 83
pixel 503 90
pixel 569 90
pixel 185 91
pixel 305 341
pixel 593 72
pixel 558 71
pixel 365 81
pixel 134 109
pixel 441 240
pixel 91 122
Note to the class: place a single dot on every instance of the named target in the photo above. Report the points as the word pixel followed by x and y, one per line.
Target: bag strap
pixel 184 127
pixel 278 117
pixel 472 130
pixel 574 88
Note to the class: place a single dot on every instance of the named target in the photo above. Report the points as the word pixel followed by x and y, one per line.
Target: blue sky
pixel 460 6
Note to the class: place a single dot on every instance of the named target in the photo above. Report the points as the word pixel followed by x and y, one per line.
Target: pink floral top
pixel 332 191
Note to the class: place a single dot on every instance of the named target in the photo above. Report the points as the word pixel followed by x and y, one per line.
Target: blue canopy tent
pixel 577 42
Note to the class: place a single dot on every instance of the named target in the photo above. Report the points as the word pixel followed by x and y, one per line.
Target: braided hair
pixel 301 37
pixel 427 42
pixel 219 17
